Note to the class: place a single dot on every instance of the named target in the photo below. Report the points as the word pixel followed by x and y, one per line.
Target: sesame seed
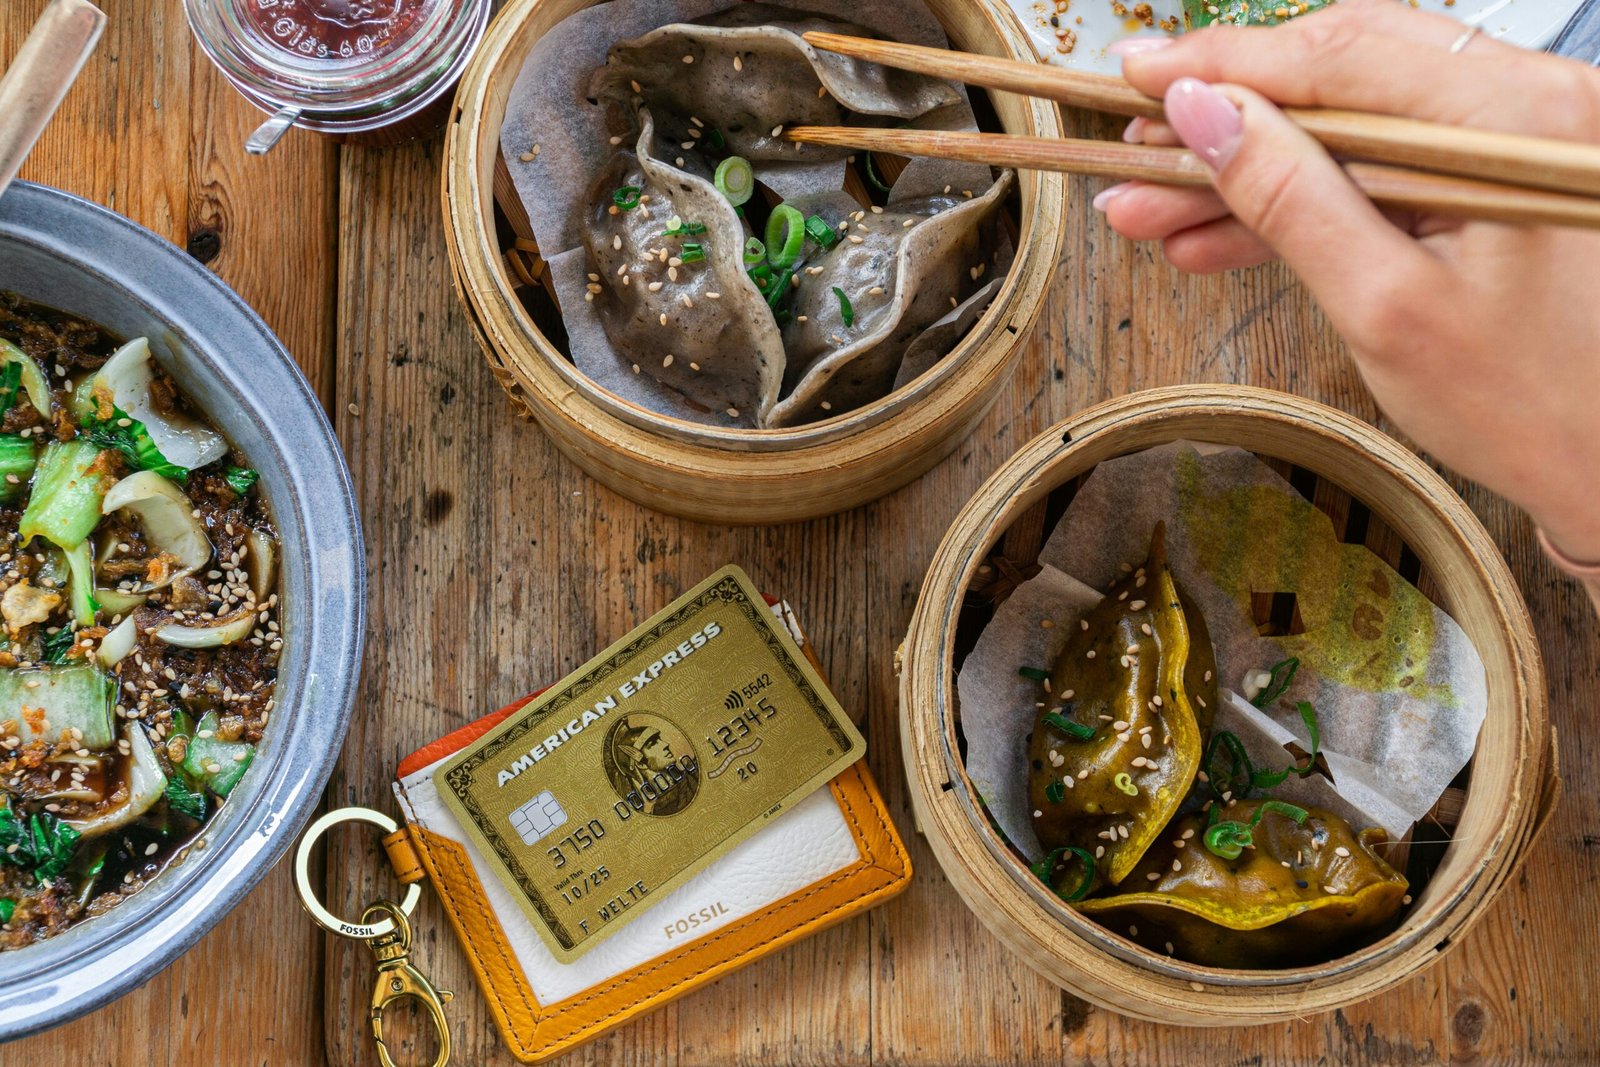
pixel 616 140
pixel 526 157
pixel 616 242
pixel 1083 624
pixel 694 366
pixel 688 59
pixel 778 129
pixel 1341 851
pixel 1089 654
pixel 1137 605
pixel 1047 624
pixel 667 362
pixel 713 296
pixel 738 64
pixel 1133 931
pixel 636 368
pixel 1153 876
pixel 663 318
pixel 1177 865
pixel 856 240
pixel 1144 739
pixel 1122 832
pixel 733 413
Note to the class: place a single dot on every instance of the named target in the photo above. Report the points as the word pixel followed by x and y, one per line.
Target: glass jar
pixel 372 71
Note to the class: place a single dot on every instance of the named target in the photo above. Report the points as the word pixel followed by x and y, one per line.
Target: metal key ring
pixel 302 875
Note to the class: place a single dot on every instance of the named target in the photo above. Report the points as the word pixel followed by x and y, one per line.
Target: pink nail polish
pixel 1105 196
pixel 1205 120
pixel 1133 46
pixel 1134 134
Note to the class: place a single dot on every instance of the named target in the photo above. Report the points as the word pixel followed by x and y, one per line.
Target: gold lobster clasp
pixel 397 979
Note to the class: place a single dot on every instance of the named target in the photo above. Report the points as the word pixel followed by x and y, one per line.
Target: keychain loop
pixel 308 896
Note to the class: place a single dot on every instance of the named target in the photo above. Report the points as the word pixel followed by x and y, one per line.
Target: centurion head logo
pixel 651 764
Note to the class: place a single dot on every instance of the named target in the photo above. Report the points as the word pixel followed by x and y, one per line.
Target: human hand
pixel 1481 340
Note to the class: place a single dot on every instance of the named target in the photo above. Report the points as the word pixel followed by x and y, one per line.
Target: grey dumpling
pixel 718 347
pixel 899 279
pixel 686 71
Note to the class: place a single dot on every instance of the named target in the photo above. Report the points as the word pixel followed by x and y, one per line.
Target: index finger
pixel 1385 58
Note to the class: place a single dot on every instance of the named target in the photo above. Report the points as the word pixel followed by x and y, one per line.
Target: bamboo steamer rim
pixel 885 443
pixel 1514 785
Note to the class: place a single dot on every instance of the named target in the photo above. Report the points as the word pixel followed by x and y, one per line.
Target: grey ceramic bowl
pixel 66 252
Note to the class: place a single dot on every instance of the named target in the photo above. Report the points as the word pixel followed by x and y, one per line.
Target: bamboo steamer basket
pixel 1512 785
pixel 715 474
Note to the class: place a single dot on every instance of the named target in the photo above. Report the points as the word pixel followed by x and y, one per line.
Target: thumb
pixel 1282 185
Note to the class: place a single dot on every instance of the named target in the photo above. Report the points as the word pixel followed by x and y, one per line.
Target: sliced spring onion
pixel 1308 715
pixel 1228 839
pixel 735 179
pixel 847 314
pixel 627 197
pixel 1124 783
pixel 167 516
pixel 761 274
pixel 1075 730
pixel 80 584
pixel 1034 673
pixel 18 455
pixel 779 288
pixel 115 646
pixel 185 442
pixel 1047 867
pixel 1055 792
pixel 146 785
pixel 716 141
pixel 1280 807
pixel 677 227
pixel 786 236
pixel 1282 675
pixel 8 908
pixel 872 176
pixel 820 232
pixel 754 252
pixel 692 252
pixel 1239 776
pixel 65 505
pixel 225 631
pixel 10 385
pixel 32 378
pixel 240 479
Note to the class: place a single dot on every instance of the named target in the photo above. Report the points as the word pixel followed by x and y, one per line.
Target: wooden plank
pixel 473 516
pixel 154 132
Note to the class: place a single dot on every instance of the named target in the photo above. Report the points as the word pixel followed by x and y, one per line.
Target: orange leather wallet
pixel 833 855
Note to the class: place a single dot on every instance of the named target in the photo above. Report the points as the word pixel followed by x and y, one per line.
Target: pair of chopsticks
pixel 1410 165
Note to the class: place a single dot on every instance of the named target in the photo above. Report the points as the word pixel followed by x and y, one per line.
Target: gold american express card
pixel 648 763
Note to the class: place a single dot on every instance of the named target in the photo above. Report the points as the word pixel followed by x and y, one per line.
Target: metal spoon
pixel 44 69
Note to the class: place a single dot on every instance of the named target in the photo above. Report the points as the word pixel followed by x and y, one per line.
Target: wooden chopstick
pixel 1393 187
pixel 1536 162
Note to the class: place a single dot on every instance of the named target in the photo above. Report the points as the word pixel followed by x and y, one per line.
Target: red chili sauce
pixel 335 29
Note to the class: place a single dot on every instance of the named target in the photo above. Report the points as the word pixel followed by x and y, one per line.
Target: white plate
pixel 1094 23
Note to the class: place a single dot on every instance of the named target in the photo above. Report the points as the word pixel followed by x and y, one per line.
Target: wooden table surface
pixel 495 565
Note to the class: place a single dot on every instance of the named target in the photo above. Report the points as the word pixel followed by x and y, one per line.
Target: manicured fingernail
pixel 1105 196
pixel 1134 134
pixel 1133 46
pixel 1205 120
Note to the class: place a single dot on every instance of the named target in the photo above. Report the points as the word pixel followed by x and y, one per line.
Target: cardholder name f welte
pixel 672 810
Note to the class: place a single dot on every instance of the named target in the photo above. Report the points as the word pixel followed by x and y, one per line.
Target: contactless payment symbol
pixel 537 817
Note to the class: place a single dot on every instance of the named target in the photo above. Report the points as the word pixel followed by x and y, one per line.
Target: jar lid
pixel 337 56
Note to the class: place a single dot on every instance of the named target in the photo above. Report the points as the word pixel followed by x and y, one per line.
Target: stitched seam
pixel 477 955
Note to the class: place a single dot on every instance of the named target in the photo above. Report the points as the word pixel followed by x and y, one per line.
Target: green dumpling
pixel 1118 743
pixel 1301 891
